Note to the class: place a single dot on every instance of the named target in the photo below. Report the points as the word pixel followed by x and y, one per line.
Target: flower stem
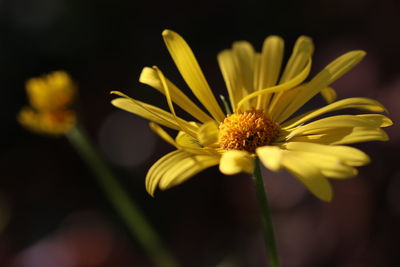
pixel 266 220
pixel 123 204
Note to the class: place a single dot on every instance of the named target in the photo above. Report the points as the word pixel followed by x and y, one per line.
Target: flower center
pixel 247 130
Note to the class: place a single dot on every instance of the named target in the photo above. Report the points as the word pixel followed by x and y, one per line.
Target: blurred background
pixel 52 212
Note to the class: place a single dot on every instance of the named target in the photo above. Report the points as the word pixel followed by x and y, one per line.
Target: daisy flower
pixel 50 97
pixel 261 119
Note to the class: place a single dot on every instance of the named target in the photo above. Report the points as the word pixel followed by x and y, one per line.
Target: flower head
pixel 264 97
pixel 247 130
pixel 50 97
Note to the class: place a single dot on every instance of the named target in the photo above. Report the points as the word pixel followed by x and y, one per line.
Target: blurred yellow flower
pixel 264 124
pixel 50 97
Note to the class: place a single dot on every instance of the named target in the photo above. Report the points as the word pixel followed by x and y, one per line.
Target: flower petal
pixel 161 133
pixel 377 119
pixel 151 113
pixel 191 72
pixel 55 122
pixel 329 94
pixel 340 121
pixel 238 66
pixel 176 167
pixel 186 168
pixel 208 133
pixel 279 88
pixel 348 155
pixel 231 76
pixel 355 102
pixel 189 144
pixel 342 136
pixel 185 140
pixel 313 163
pixel 298 61
pixel 329 165
pixel 149 76
pixel 311 177
pixel 53 91
pixel 244 56
pixel 271 157
pixel 235 161
pixel 169 101
pixel 159 168
pixel 328 75
pixel 270 66
pixel 302 51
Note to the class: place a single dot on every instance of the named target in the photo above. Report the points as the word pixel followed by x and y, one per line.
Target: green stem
pixel 266 219
pixel 124 205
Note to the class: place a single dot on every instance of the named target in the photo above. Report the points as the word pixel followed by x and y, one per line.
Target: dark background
pixel 52 213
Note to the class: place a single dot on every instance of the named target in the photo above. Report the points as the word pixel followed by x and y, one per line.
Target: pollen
pixel 247 130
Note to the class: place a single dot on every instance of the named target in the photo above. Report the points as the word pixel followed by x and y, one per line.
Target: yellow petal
pixel 191 72
pixel 343 64
pixel 163 134
pixel 189 144
pixel 169 101
pixel 185 140
pixel 340 121
pixel 279 88
pixel 149 76
pixel 356 102
pixel 186 168
pixel 176 167
pixel 314 181
pixel 159 168
pixel 231 75
pixel 151 113
pixel 208 133
pixel 348 155
pixel 342 136
pixel 271 157
pixel 330 166
pixel 56 122
pixel 322 80
pixel 300 58
pixel 235 161
pixel 270 66
pixel 345 172
pixel 53 91
pixel 238 66
pixel 256 76
pixel 330 160
pixel 309 175
pixel 329 94
pixel 377 119
pixel 244 56
pixel 302 51
pixel 360 134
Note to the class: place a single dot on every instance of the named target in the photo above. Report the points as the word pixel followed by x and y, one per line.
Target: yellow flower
pixel 264 124
pixel 49 97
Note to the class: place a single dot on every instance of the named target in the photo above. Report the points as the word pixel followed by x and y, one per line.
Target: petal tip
pixel 360 53
pixel 118 93
pixel 276 38
pixel 167 33
pixel 387 122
